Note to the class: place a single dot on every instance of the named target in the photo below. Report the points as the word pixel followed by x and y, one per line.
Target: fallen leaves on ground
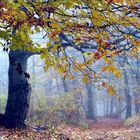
pixel 104 129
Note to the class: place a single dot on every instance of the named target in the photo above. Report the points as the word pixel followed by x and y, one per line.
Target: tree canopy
pixel 96 29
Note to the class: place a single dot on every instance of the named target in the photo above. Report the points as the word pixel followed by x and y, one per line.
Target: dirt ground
pixel 104 129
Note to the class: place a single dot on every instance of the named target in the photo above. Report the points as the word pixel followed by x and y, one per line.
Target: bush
pixel 52 111
pixel 132 120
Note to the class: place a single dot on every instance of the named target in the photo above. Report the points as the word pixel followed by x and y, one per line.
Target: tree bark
pixel 90 109
pixel 137 104
pixel 137 94
pixel 64 83
pixel 127 96
pixel 19 90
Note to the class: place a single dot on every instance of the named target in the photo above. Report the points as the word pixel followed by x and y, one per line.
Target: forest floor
pixel 104 129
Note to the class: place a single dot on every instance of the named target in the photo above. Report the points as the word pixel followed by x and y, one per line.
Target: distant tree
pixel 134 66
pixel 127 96
pixel 90 114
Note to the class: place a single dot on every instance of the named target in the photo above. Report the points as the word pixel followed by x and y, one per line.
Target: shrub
pixel 52 111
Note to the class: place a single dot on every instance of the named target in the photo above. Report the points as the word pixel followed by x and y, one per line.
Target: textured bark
pixel 18 92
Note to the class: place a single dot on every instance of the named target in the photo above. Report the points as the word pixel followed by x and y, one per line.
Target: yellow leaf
pixel 94 75
pixel 60 69
pixel 117 74
pixel 119 1
pixel 134 53
pixel 46 67
pixel 71 77
pixel 85 79
pixel 98 87
pixel 48 44
pixel 104 68
pixel 37 29
pixel 111 90
pixel 54 25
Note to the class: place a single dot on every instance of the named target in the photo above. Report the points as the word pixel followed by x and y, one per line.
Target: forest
pixel 70 70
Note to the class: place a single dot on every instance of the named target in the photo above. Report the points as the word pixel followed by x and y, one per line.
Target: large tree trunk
pixel 90 109
pixel 18 92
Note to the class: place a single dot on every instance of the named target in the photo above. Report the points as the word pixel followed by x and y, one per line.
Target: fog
pixel 92 98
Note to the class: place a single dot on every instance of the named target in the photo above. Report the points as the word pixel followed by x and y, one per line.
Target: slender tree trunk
pixel 64 83
pixel 127 96
pixel 104 106
pixel 111 105
pixel 137 95
pixel 90 108
pixel 119 107
pixel 137 104
pixel 18 92
pixel 107 105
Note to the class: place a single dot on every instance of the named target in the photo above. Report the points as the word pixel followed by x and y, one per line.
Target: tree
pixel 127 96
pixel 90 114
pixel 136 94
pixel 135 71
pixel 67 24
pixel 131 65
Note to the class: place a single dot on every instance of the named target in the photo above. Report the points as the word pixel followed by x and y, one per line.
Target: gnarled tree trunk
pixel 19 90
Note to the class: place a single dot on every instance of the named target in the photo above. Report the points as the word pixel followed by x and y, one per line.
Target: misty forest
pixel 70 70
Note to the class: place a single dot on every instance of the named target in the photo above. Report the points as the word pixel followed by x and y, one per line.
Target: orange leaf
pixel 111 90
pixel 103 84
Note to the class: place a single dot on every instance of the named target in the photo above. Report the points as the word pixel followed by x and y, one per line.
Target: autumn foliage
pixel 98 26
